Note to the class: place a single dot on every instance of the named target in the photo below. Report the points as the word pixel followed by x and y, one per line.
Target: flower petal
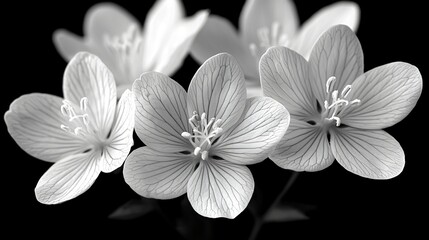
pixel 219 35
pixel 161 113
pixel 337 53
pixel 34 122
pixel 68 44
pixel 155 174
pixel 218 89
pixel 87 76
pixel 67 178
pixel 368 153
pixel 387 94
pixel 346 13
pixel 161 20
pixel 264 123
pixel 106 19
pixel 284 77
pixel 121 137
pixel 304 147
pixel 177 45
pixel 220 189
pixel 262 14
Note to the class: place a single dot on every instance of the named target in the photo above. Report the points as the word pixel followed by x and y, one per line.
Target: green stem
pixel 259 221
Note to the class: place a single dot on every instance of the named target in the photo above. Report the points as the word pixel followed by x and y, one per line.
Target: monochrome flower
pixel 84 134
pixel 200 141
pixel 338 110
pixel 266 23
pixel 127 49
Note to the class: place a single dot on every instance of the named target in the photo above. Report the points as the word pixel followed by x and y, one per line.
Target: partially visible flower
pixel 126 48
pixel 338 110
pixel 266 23
pixel 200 141
pixel 83 134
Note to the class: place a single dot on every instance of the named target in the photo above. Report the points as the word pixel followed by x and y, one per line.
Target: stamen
pixel 68 110
pixel 346 91
pixel 328 84
pixel 83 103
pixel 268 36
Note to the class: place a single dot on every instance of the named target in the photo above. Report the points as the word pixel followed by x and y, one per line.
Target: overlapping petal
pixel 220 189
pixel 368 153
pixel 263 124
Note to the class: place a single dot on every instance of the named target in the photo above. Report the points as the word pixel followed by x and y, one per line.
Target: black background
pixel 347 205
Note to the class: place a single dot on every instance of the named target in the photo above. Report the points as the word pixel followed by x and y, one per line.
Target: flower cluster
pixel 298 96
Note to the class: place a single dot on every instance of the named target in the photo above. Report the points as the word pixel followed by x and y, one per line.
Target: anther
pixel 329 82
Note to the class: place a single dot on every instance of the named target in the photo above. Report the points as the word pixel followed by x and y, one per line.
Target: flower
pixel 266 23
pixel 82 134
pixel 338 110
pixel 128 49
pixel 199 141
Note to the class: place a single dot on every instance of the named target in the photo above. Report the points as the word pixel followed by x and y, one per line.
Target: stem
pixel 259 221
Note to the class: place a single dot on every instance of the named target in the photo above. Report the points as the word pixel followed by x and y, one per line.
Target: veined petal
pixel 177 45
pixel 263 124
pixel 368 153
pixel 304 147
pixel 121 137
pixel 386 93
pixel 161 114
pixel 87 76
pixel 337 53
pixel 220 189
pixel 68 44
pixel 67 178
pixel 284 77
pixel 106 19
pixel 34 122
pixel 262 14
pixel 218 89
pixel 161 20
pixel 346 13
pixel 219 35
pixel 160 175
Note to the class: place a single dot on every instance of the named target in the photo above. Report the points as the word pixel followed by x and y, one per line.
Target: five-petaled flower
pixel 337 110
pixel 266 23
pixel 200 141
pixel 83 134
pixel 127 49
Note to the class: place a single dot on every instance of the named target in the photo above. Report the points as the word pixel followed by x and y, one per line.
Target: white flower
pixel 126 48
pixel 200 141
pixel 266 23
pixel 82 134
pixel 338 110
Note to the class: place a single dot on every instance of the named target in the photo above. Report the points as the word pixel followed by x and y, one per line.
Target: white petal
pixel 386 93
pixel 161 20
pixel 220 189
pixel 260 14
pixel 368 153
pixel 155 174
pixel 86 76
pixel 68 44
pixel 34 122
pixel 67 178
pixel 121 137
pixel 218 89
pixel 161 113
pixel 337 53
pixel 284 77
pixel 219 35
pixel 263 124
pixel 178 44
pixel 346 13
pixel 304 147
pixel 106 19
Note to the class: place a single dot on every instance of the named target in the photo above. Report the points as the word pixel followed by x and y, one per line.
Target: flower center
pixel 337 103
pixel 203 133
pixel 78 123
pixel 126 51
pixel 268 37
